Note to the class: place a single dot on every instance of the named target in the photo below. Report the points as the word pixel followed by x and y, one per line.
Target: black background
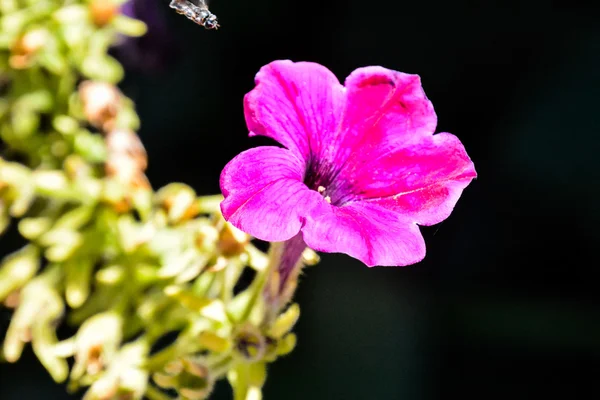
pixel 505 305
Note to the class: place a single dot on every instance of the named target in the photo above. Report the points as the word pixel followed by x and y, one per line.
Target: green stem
pixel 258 285
pixel 220 367
pixel 153 393
pixel 158 360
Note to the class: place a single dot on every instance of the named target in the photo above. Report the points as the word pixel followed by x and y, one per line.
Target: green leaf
pixel 39 100
pixel 285 322
pixel 129 26
pixel 102 68
pixel 17 269
pixel 32 228
pixel 25 122
pixel 54 62
pixel 78 280
pixel 65 124
pixel 90 146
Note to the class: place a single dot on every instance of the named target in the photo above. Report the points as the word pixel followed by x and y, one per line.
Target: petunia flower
pixel 360 168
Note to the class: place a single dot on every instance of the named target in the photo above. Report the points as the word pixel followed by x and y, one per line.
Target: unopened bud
pixel 125 142
pixel 13 299
pixel 188 377
pixel 127 159
pixel 26 46
pixel 103 389
pixel 76 167
pixel 103 11
pixel 286 344
pixel 310 257
pixel 207 237
pixel 101 103
pixel 285 321
pixel 232 241
pixel 123 379
pixel 114 194
pixel 96 343
pixel 179 201
pixel 34 320
pixel 17 269
pixel 127 171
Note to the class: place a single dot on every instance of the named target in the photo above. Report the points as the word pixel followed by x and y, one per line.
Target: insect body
pixel 198 13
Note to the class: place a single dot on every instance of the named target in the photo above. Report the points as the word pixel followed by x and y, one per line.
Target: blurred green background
pixel 505 305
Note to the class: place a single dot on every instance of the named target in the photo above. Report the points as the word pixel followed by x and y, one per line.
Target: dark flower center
pixel 322 177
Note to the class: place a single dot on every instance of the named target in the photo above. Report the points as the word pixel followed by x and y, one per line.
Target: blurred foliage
pixel 167 297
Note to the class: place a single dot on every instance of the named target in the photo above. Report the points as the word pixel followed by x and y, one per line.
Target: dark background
pixel 505 305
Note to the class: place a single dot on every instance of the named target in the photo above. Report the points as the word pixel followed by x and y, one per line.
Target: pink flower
pixel 361 167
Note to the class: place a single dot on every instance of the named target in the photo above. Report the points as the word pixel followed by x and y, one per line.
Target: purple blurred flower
pixel 154 51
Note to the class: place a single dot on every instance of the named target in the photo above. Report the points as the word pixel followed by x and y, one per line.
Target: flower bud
pixel 125 142
pixel 26 46
pixel 232 241
pixel 286 344
pixel 210 204
pixel 32 228
pixel 114 194
pixel 189 377
pixel 124 379
pixel 179 201
pixel 103 11
pixel 17 269
pixel 101 103
pixel 111 388
pixel 127 171
pixel 61 243
pixel 285 321
pixel 78 280
pixel 310 257
pixel 212 309
pixel 206 237
pixel 13 299
pixel 50 182
pixel 76 167
pixel 103 389
pixel 96 344
pixel 34 321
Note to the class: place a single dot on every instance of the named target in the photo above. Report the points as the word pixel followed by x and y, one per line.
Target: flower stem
pixel 286 257
pixel 154 394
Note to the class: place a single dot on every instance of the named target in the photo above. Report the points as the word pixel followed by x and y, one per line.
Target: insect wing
pixel 202 4
pixel 197 11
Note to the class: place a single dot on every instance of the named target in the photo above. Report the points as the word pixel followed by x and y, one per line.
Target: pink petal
pixel 422 179
pixel 365 231
pixel 264 193
pixel 296 104
pixel 384 108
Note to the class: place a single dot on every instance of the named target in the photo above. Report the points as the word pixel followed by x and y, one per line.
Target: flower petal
pixel 265 195
pixel 365 231
pixel 384 108
pixel 295 104
pixel 423 180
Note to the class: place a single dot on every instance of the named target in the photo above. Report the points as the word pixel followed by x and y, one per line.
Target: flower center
pixel 322 190
pixel 321 177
